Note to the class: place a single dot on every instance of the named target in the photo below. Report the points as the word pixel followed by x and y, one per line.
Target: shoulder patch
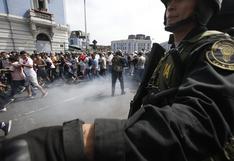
pixel 222 54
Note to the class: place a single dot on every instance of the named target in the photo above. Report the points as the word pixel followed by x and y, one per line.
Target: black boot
pixel 113 92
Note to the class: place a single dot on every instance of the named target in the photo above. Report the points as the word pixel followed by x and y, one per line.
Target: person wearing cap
pixel 182 111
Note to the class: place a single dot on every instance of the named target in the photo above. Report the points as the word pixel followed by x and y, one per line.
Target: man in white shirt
pixel 31 75
pixel 102 63
pixel 141 65
pixel 50 67
pixel 109 61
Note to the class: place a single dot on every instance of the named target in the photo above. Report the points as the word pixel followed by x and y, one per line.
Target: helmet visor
pixel 165 2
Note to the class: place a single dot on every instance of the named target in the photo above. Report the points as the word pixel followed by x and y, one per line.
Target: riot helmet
pixel 204 10
pixel 223 21
pixel 119 52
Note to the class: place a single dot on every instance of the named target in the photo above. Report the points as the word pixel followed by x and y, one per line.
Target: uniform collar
pixel 196 31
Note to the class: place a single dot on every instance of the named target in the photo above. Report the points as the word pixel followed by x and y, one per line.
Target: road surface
pixel 85 100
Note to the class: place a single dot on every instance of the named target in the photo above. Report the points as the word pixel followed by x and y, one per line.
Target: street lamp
pixel 86 37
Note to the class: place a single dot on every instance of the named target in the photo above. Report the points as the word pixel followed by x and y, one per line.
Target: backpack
pixel 117 64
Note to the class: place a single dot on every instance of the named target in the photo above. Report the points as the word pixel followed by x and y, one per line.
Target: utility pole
pixel 86 37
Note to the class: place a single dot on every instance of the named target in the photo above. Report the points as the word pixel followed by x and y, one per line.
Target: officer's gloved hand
pixel 44 144
pixel 14 150
pixel 57 143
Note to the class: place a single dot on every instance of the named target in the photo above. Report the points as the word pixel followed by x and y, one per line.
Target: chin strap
pixel 174 27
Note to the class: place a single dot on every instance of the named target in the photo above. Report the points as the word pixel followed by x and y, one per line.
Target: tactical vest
pixel 117 64
pixel 172 67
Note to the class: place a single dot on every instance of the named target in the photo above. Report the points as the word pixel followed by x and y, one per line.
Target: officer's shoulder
pixel 221 54
pixel 207 35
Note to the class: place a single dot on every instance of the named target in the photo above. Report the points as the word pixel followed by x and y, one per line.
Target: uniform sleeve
pixel 196 125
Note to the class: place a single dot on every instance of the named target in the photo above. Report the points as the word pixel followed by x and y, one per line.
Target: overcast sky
pixel 109 20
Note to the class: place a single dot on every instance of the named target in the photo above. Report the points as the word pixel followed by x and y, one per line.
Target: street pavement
pixel 64 102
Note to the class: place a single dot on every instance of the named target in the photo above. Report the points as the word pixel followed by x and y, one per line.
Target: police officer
pixel 182 111
pixel 117 71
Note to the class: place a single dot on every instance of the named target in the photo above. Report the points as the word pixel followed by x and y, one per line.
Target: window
pixel 41 4
pixel 43 37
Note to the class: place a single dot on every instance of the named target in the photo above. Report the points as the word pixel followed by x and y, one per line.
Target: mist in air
pixel 93 99
pixel 85 100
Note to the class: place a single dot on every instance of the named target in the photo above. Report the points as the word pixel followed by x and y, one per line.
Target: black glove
pixel 16 150
pixel 46 144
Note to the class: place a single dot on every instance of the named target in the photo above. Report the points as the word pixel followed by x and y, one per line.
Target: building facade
pixel 33 25
pixel 137 43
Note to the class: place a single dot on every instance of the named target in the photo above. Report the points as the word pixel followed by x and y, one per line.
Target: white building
pixel 137 43
pixel 33 25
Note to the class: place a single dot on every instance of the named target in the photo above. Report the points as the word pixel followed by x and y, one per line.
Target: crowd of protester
pixel 20 71
pixel 71 66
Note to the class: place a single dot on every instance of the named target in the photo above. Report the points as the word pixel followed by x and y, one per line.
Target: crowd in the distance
pixel 20 71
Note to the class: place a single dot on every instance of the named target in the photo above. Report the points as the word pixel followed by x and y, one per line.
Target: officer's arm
pixel 71 142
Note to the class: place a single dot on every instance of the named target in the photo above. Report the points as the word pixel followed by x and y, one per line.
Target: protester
pixel 102 64
pixel 31 76
pixel 4 98
pixel 140 65
pixel 109 61
pixel 17 76
pixel 40 66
